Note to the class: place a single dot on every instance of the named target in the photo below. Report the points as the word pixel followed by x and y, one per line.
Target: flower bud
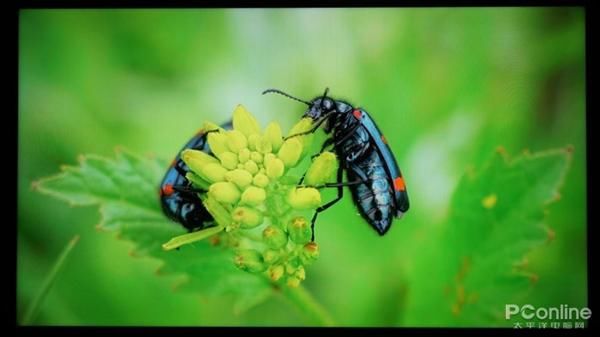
pixel 249 260
pixel 253 195
pixel 271 256
pixel 197 181
pixel 241 178
pixel 244 121
pixel 210 126
pixel 304 198
pixel 274 168
pixel 299 230
pixel 247 217
pixel 251 167
pixel 293 282
pixel 224 192
pixel 273 134
pixel 217 141
pixel 218 212
pixel 300 273
pixel 310 251
pixel 260 180
pixel 256 157
pixel 244 155
pixel 268 157
pixel 264 145
pixel 229 160
pixel 210 172
pixel 322 169
pixel 290 269
pixel 290 152
pixel 233 241
pixel 236 141
pixel 274 237
pixel 204 165
pixel 253 141
pixel 276 272
pixel 305 124
pixel 232 226
pixel 195 158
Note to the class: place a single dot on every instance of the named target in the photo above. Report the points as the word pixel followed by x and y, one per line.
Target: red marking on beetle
pixel 167 190
pixel 173 163
pixel 383 139
pixel 357 114
pixel 399 184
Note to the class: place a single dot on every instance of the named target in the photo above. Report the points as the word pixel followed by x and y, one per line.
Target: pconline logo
pixel 555 317
pixel 563 312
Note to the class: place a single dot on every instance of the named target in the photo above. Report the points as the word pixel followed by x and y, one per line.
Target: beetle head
pixel 320 106
pixel 317 108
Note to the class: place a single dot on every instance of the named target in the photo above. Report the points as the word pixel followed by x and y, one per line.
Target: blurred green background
pixel 446 86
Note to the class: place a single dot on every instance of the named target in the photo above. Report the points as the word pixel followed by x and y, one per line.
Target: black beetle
pixel 179 200
pixel 374 179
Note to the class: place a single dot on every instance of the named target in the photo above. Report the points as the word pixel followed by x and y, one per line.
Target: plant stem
pixel 188 238
pixel 33 308
pixel 308 305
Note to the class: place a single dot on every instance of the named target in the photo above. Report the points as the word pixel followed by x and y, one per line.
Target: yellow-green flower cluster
pixel 253 196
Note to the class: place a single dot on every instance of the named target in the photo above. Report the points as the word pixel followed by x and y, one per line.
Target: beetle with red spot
pixel 178 198
pixel 373 176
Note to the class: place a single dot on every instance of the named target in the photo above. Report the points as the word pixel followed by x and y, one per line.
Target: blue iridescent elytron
pixel 179 200
pixel 373 176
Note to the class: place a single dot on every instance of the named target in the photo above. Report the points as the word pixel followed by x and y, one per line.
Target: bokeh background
pixel 447 86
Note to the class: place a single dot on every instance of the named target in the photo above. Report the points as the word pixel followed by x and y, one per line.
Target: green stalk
pixel 304 301
pixel 33 308
pixel 184 239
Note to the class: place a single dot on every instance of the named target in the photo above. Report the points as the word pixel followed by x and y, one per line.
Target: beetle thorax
pixel 338 117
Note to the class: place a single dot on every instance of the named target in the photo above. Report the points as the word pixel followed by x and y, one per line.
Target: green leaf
pixel 126 189
pixel 497 218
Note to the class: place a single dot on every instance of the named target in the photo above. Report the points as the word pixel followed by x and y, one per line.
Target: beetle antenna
pixel 286 95
pixel 324 96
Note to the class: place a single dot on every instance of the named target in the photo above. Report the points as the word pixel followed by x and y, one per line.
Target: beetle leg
pixel 179 169
pixel 302 179
pixel 337 143
pixel 347 135
pixel 326 143
pixel 338 184
pixel 312 130
pixel 329 142
pixel 340 194
pixel 187 189
pixel 213 130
